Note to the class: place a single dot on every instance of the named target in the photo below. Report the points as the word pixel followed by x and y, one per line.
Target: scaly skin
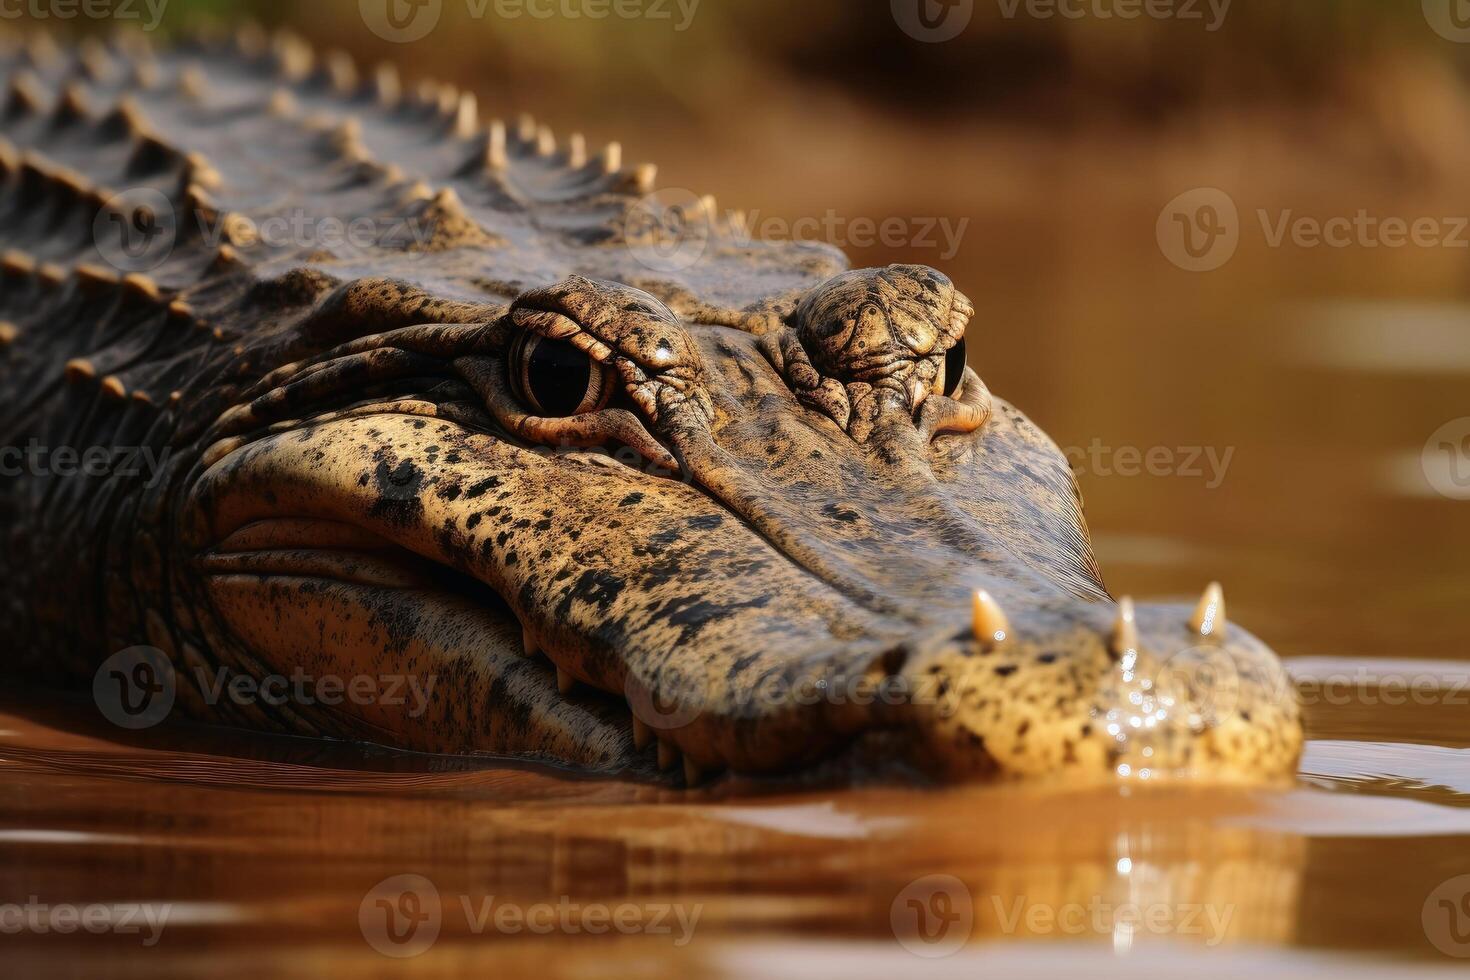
pixel 780 564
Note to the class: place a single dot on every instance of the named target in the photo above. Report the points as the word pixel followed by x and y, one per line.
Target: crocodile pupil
pixel 557 377
pixel 954 368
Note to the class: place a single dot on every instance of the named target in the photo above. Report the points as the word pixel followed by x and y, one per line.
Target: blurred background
pixel 1219 250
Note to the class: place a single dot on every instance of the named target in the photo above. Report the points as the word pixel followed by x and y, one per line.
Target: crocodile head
pixel 609 533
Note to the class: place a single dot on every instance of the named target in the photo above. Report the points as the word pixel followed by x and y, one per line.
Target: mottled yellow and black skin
pixel 759 554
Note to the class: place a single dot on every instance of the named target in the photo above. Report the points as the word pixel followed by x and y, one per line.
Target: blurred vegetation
pixel 1050 71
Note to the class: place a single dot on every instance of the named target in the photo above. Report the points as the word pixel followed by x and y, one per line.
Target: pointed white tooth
pixel 668 755
pixel 564 681
pixel 642 734
pixel 529 642
pixel 991 625
pixel 1209 615
pixel 1125 630
pixel 692 773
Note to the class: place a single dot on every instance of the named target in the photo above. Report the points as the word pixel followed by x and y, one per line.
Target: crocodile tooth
pixel 466 116
pixel 692 773
pixel 990 623
pixel 529 643
pixel 668 755
pixel 142 285
pixel 642 178
pixel 545 142
pixel 8 333
pixel 526 129
pixel 113 387
pixel 145 75
pixel 342 72
pixel 25 95
pixel 642 734
pixel 564 682
pixel 1209 615
pixel 72 107
pixel 495 155
pixel 193 84
pixel 93 59
pixel 576 151
pixel 1125 630
pixel 51 274
pixel 17 263
pixel 79 369
pixel 387 86
pixel 611 158
pixel 447 99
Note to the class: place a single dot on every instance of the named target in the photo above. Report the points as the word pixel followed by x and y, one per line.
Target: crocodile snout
pixel 1111 690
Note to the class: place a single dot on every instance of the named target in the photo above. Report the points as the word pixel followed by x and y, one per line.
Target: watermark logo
pixel 1450 19
pixel 1199 230
pixel 401 917
pixel 662 711
pixel 1446 917
pixel 933 916
pixel 669 230
pixel 135 688
pixel 136 230
pixel 1201 682
pixel 933 21
pixel 1446 459
pixel 401 21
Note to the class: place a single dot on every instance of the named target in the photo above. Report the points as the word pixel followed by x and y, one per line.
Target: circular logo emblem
pixel 1199 230
pixel 1450 19
pixel 135 689
pixel 933 916
pixel 1446 917
pixel 1203 683
pixel 136 230
pixel 401 21
pixel 668 230
pixel 1446 459
pixel 679 704
pixel 401 916
pixel 933 21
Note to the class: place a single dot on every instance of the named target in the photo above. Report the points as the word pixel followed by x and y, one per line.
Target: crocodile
pixel 426 396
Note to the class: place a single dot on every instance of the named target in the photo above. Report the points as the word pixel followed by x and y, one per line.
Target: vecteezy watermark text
pixel 1200 230
pixel 144 919
pixel 671 229
pixel 137 230
pixel 402 917
pixel 1209 463
pixel 38 459
pixel 150 12
pixel 138 687
pixel 937 21
pixel 935 916
pixel 406 21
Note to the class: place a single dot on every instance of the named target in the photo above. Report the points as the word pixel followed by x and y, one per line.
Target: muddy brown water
pixel 1272 424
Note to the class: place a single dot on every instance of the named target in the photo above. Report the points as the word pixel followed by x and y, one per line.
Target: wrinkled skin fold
pixel 755 546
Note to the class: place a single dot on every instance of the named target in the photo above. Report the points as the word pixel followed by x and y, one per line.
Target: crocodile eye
pixel 954 368
pixel 556 380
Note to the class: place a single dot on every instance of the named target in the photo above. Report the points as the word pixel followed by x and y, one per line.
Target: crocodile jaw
pixel 662 615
